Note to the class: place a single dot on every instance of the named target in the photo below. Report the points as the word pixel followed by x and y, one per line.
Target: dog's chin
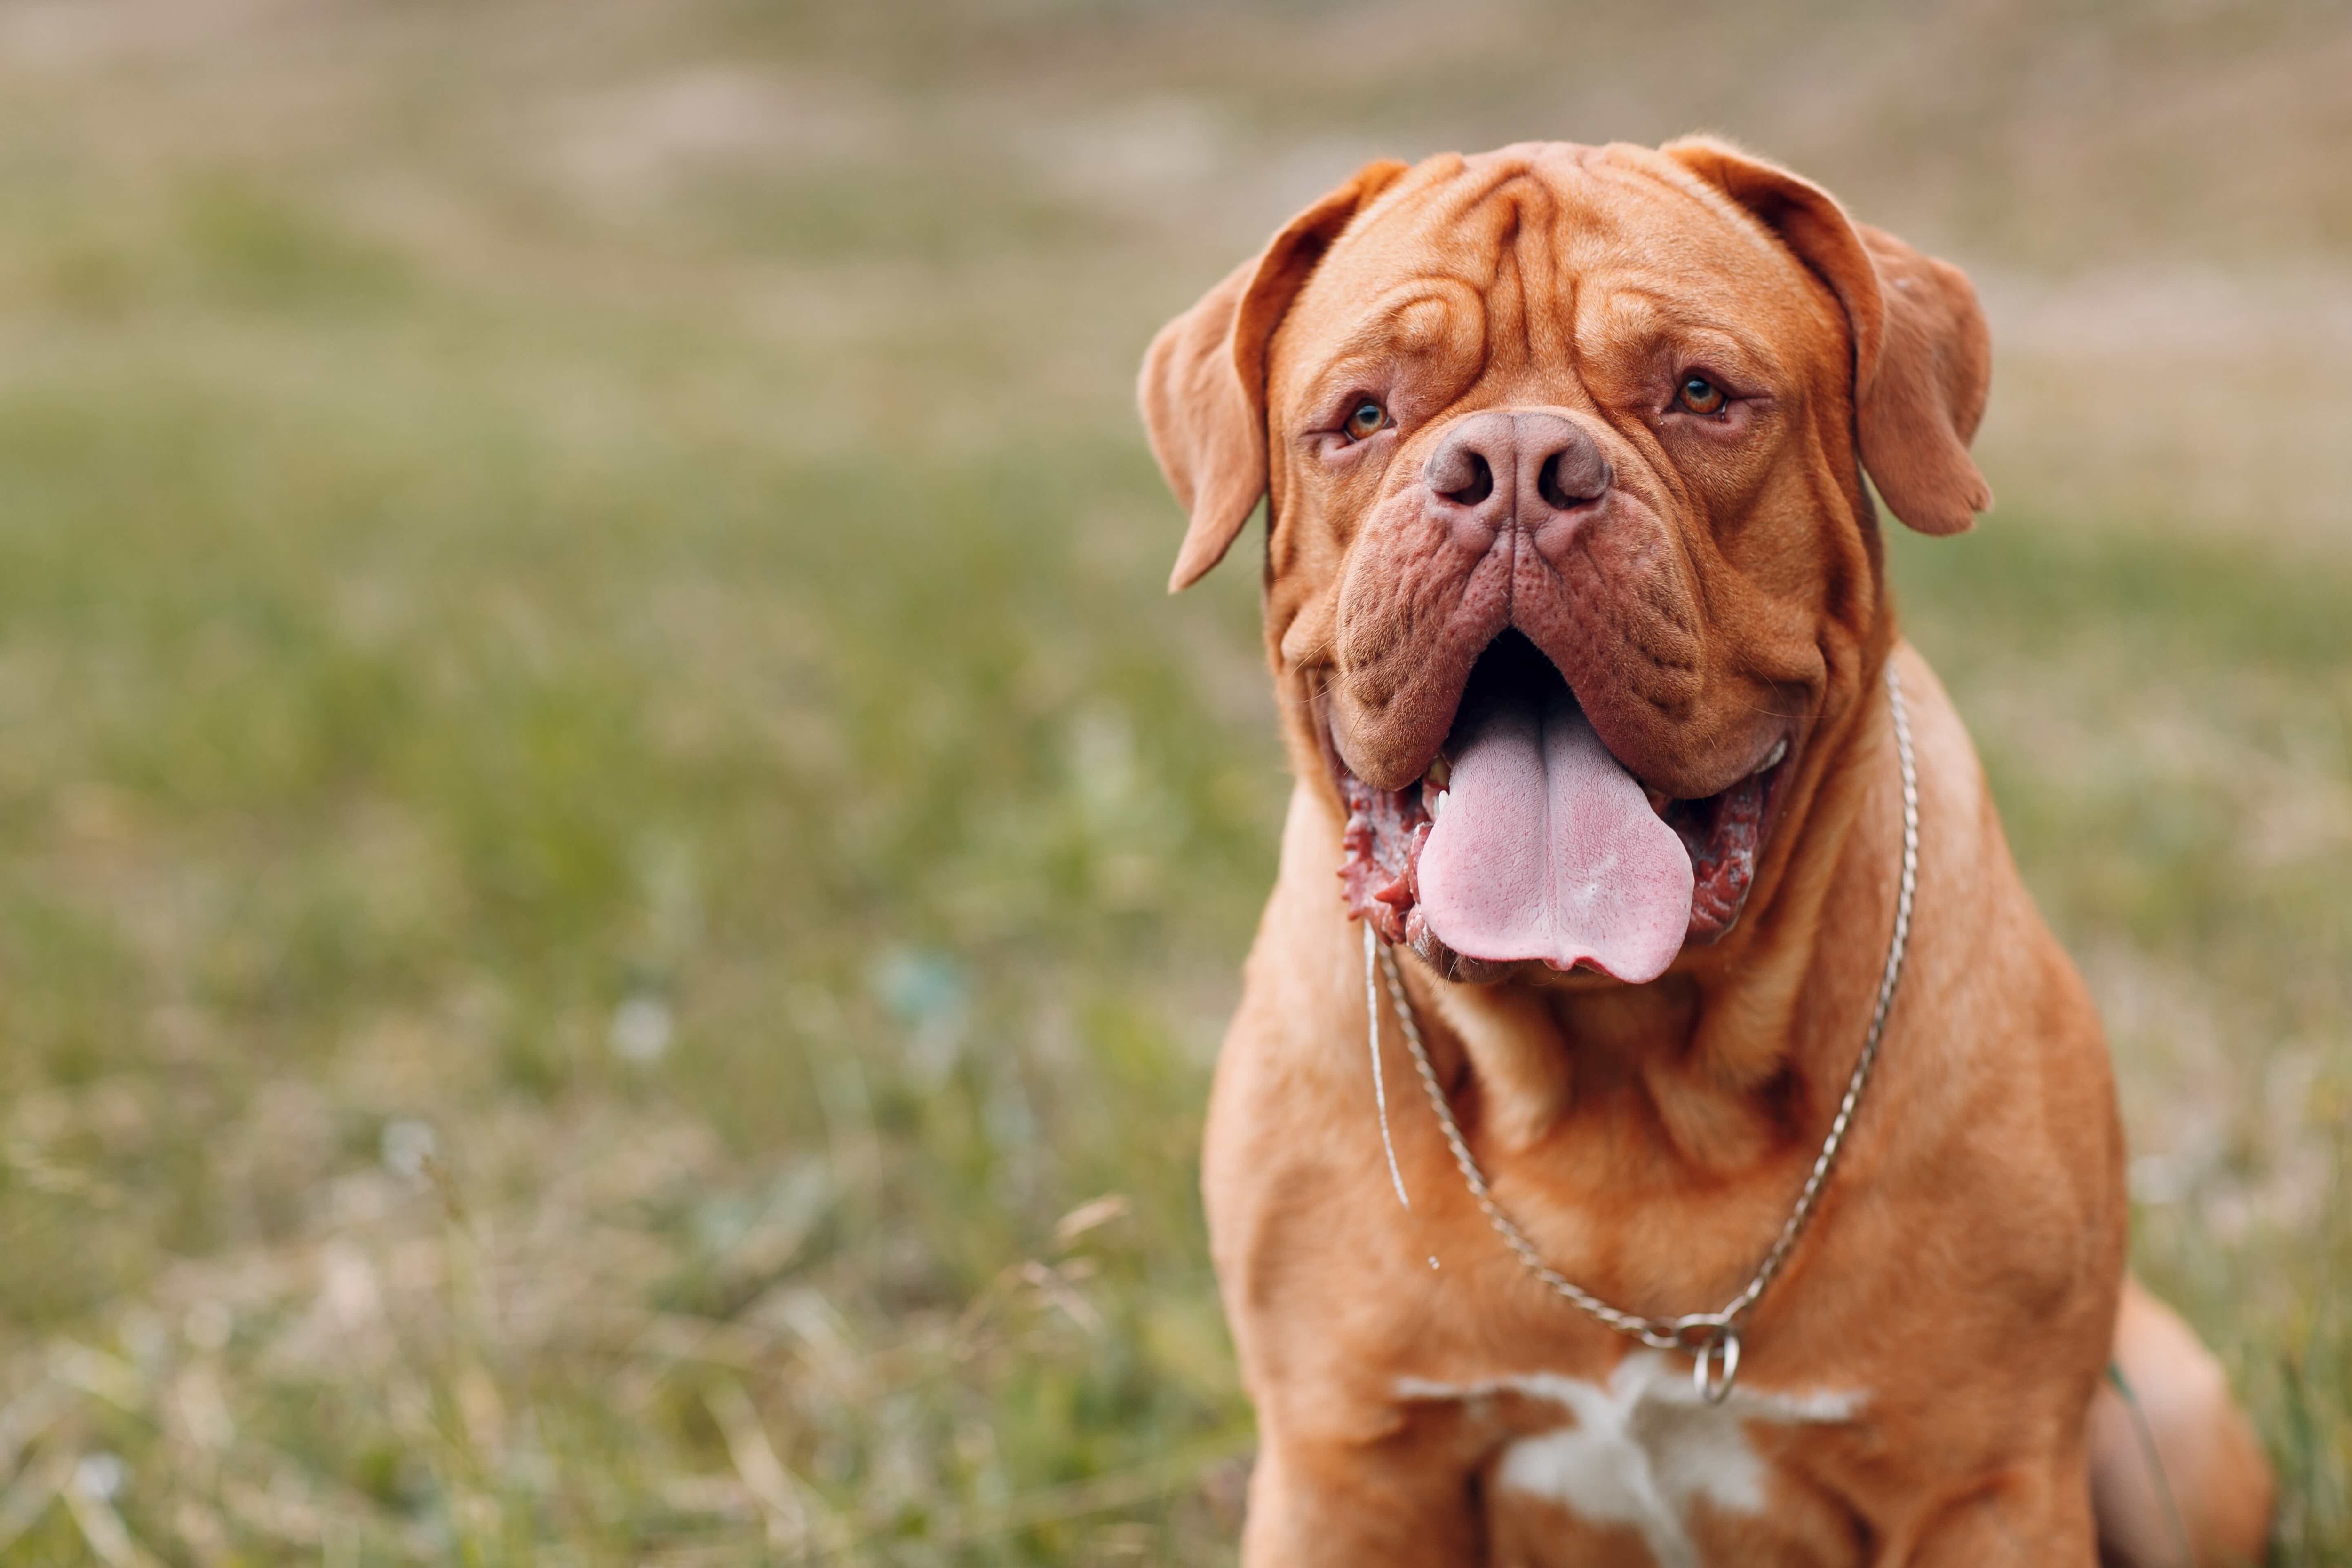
pixel 1388 831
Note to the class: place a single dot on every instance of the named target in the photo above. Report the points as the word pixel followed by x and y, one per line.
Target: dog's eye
pixel 1700 396
pixel 1367 419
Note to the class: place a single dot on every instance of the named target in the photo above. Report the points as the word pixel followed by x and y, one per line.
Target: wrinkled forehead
pixel 1536 249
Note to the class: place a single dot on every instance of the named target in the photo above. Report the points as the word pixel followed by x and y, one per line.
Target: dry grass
pixel 618 887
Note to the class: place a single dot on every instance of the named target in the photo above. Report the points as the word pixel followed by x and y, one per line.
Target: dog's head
pixel 1569 554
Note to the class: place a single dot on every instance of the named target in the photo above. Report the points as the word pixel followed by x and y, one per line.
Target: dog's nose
pixel 1504 465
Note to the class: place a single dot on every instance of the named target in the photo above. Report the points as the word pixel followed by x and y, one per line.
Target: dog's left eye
pixel 1367 418
pixel 1700 396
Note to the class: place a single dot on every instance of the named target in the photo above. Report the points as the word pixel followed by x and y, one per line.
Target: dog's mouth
pixel 1526 840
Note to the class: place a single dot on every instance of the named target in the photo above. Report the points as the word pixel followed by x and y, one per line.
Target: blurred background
pixel 617 886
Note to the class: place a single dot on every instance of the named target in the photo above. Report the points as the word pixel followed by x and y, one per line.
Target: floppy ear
pixel 1922 356
pixel 1203 386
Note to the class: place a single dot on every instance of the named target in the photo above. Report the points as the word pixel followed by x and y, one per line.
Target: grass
pixel 617 886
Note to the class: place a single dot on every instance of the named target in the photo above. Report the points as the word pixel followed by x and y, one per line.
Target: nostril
pixel 1481 485
pixel 1566 482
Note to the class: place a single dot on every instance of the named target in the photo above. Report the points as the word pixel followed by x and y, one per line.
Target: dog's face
pixel 1570 557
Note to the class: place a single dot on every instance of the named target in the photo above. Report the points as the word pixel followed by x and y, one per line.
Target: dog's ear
pixel 1203 385
pixel 1922 356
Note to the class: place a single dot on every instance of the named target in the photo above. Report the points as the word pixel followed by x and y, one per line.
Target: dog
pixel 1575 601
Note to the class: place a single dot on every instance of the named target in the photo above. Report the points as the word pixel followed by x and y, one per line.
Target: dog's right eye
pixel 1700 396
pixel 1367 418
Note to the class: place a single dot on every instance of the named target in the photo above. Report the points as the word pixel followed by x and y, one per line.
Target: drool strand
pixel 1379 1085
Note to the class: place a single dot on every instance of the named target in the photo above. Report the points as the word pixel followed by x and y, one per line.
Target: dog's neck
pixel 1731 1045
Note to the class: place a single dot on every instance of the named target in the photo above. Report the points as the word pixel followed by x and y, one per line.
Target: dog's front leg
pixel 1396 1501
pixel 2037 1516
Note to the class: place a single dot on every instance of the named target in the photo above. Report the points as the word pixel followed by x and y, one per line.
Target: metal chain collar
pixel 1710 1339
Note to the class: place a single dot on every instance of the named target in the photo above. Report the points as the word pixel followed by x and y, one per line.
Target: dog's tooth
pixel 1438 809
pixel 1780 750
pixel 1440 771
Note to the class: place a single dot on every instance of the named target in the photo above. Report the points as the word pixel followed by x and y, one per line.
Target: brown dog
pixel 1574 602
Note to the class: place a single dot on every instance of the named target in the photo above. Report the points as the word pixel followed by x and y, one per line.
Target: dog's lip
pixel 1774 773
pixel 1771 757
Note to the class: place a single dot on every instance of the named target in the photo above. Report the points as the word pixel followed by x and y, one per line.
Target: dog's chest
pixel 1642 1455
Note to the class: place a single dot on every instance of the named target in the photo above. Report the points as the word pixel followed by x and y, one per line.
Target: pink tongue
pixel 1546 847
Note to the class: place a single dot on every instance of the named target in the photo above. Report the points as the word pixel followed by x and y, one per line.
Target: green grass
pixel 604 824
pixel 378 740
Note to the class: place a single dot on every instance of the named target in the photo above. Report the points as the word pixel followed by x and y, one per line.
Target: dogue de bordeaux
pixel 1575 603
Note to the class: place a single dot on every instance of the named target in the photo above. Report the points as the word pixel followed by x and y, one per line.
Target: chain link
pixel 1711 1339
